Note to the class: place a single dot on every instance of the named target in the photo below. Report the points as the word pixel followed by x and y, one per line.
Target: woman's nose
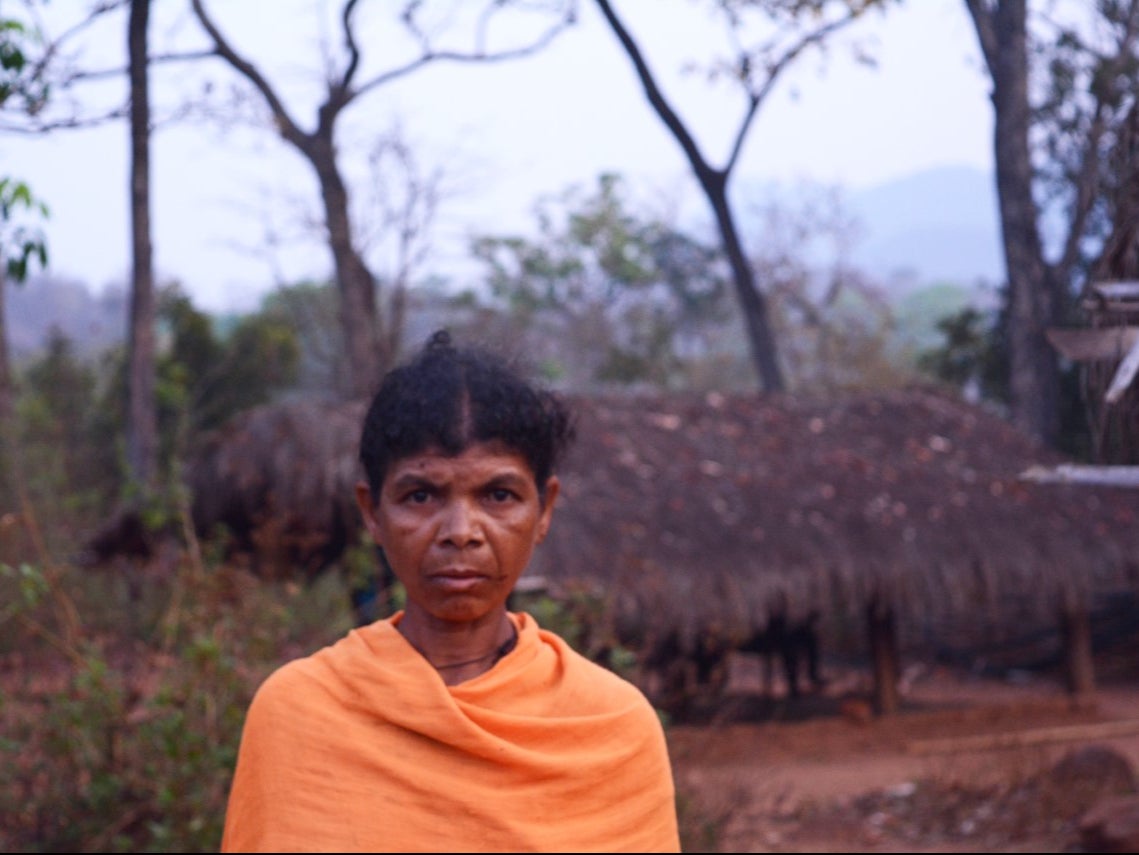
pixel 460 525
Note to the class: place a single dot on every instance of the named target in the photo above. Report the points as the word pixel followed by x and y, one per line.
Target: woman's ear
pixel 549 497
pixel 367 506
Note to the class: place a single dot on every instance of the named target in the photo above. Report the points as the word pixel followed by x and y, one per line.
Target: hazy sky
pixel 503 136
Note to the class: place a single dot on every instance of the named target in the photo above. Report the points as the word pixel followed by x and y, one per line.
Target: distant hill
pixel 91 321
pixel 940 225
pixel 931 238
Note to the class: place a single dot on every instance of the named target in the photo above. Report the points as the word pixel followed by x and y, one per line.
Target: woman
pixel 455 725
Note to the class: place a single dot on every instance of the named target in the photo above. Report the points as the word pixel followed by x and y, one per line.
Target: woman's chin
pixel 461 607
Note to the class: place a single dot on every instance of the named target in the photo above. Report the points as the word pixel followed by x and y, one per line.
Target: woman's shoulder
pixel 288 680
pixel 306 674
pixel 593 682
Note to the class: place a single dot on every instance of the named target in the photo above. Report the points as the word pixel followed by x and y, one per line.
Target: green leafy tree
pixel 604 295
pixel 204 375
pixel 21 240
pixel 70 462
pixel 973 357
pixel 310 310
pixel 58 70
pixel 22 87
pixel 973 354
pixel 64 71
pixel 21 243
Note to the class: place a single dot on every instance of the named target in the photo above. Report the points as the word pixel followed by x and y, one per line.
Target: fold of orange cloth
pixel 362 747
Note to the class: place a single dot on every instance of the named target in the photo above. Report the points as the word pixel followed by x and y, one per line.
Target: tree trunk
pixel 1033 373
pixel 714 183
pixel 1033 370
pixel 142 421
pixel 751 299
pixel 1076 637
pixel 882 634
pixel 366 357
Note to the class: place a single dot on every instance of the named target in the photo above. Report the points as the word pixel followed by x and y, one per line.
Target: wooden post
pixel 1076 638
pixel 882 634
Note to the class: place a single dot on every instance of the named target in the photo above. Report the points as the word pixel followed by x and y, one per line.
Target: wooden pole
pixel 882 633
pixel 1076 636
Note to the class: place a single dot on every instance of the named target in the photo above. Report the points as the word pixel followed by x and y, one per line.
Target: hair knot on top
pixel 440 339
pixel 449 398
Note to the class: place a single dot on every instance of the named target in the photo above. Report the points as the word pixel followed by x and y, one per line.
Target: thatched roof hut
pixel 279 479
pixel 685 511
pixel 688 511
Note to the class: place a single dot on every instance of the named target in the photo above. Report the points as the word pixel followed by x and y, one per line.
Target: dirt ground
pixel 968 764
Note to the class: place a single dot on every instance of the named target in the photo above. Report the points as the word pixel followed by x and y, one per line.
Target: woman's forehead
pixel 480 458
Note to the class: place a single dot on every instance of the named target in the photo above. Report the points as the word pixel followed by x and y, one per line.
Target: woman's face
pixel 459 531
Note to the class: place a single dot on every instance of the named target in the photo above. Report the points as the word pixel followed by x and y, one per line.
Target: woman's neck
pixel 459 651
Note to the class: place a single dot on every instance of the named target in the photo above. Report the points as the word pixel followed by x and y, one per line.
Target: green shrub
pixel 125 740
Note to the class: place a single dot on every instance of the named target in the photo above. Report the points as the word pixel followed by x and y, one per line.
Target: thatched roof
pixel 683 510
pixel 689 511
pixel 280 479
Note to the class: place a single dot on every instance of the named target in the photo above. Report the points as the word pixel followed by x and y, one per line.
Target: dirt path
pixel 967 765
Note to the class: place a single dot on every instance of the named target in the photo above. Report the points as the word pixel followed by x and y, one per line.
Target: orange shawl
pixel 362 747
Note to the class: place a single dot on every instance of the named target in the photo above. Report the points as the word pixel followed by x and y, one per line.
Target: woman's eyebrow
pixel 411 479
pixel 506 479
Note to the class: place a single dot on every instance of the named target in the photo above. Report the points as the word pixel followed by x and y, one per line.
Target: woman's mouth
pixel 458 580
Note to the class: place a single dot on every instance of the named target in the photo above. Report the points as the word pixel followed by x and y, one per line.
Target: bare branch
pixel 350 43
pixel 69 124
pixel 78 28
pixel 285 123
pixel 775 70
pixel 89 75
pixel 741 135
pixel 654 94
pixel 1086 182
pixel 1086 186
pixel 429 55
pixel 54 46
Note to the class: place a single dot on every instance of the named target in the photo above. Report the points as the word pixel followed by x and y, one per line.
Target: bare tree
pixel 142 420
pixel 833 319
pixel 800 26
pixel 394 208
pixel 1059 106
pixel 400 204
pixel 369 327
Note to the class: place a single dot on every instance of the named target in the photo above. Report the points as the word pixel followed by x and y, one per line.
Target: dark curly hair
pixel 448 398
